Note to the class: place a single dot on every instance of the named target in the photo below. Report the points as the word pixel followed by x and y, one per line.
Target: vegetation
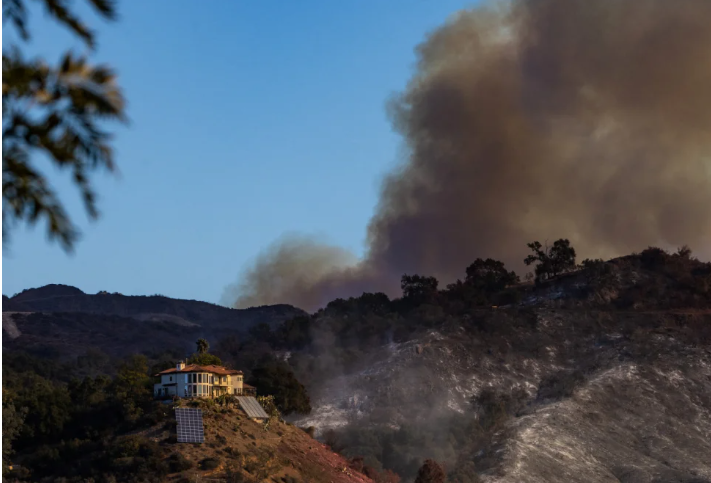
pixel 490 275
pixel 431 472
pixel 202 357
pixel 276 378
pixel 551 261
pixel 419 288
pixel 205 359
pixel 56 110
pixel 202 346
pixel 76 425
pixel 82 407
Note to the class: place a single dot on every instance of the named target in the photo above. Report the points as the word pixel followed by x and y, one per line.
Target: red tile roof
pixel 223 371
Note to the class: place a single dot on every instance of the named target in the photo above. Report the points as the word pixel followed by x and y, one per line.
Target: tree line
pixel 487 277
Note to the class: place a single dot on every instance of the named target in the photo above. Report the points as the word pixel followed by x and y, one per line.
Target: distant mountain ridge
pixel 65 298
pixel 65 320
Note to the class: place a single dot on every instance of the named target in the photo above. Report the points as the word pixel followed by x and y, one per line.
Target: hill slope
pixel 63 298
pixel 235 449
pixel 66 321
pixel 587 378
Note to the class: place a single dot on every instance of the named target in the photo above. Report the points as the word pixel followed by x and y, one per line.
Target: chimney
pixel 180 366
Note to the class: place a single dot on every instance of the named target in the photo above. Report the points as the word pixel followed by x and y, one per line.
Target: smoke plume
pixel 532 120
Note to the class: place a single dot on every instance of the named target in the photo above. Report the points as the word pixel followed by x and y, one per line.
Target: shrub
pixel 431 472
pixel 551 261
pixel 465 473
pixel 560 385
pixel 653 258
pixel 331 439
pixel 598 274
pixel 209 464
pixel 356 464
pixel 493 408
pixel 177 463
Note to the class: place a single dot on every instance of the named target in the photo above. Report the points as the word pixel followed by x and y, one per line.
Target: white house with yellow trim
pixel 200 381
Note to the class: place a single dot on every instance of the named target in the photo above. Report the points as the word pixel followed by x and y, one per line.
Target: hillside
pixel 65 321
pixel 70 335
pixel 235 449
pixel 599 374
pixel 63 298
pixel 283 452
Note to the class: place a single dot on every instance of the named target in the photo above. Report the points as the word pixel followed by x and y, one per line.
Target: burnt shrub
pixel 431 472
pixel 177 463
pixel 560 385
pixel 653 258
pixel 331 439
pixel 465 473
pixel 493 408
pixel 356 464
pixel 209 464
pixel 598 274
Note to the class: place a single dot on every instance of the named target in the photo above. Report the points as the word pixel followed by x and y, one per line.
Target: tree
pixel 684 252
pixel 490 275
pixel 418 287
pixel 276 378
pixel 261 332
pixel 431 472
pixel 12 420
pixel 205 359
pixel 552 261
pixel 56 111
pixel 132 387
pixel 202 346
pixel 597 273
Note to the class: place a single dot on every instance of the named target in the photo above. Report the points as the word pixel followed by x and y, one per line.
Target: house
pixel 200 381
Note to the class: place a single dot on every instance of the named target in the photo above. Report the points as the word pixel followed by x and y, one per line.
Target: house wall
pixel 168 379
pixel 237 383
pixel 202 381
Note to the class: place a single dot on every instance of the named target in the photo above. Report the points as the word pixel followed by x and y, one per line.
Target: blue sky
pixel 249 119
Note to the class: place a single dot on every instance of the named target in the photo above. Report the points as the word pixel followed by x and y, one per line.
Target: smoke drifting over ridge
pixel 531 120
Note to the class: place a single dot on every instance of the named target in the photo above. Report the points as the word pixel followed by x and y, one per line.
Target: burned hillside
pixel 463 380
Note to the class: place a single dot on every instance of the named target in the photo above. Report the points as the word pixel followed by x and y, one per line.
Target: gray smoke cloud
pixel 530 120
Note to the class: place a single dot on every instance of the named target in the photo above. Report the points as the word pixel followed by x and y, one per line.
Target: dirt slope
pixel 282 452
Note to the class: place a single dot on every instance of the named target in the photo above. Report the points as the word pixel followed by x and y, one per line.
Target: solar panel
pixel 190 429
pixel 252 407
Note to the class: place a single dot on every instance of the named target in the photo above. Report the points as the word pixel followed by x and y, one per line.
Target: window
pixel 171 378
